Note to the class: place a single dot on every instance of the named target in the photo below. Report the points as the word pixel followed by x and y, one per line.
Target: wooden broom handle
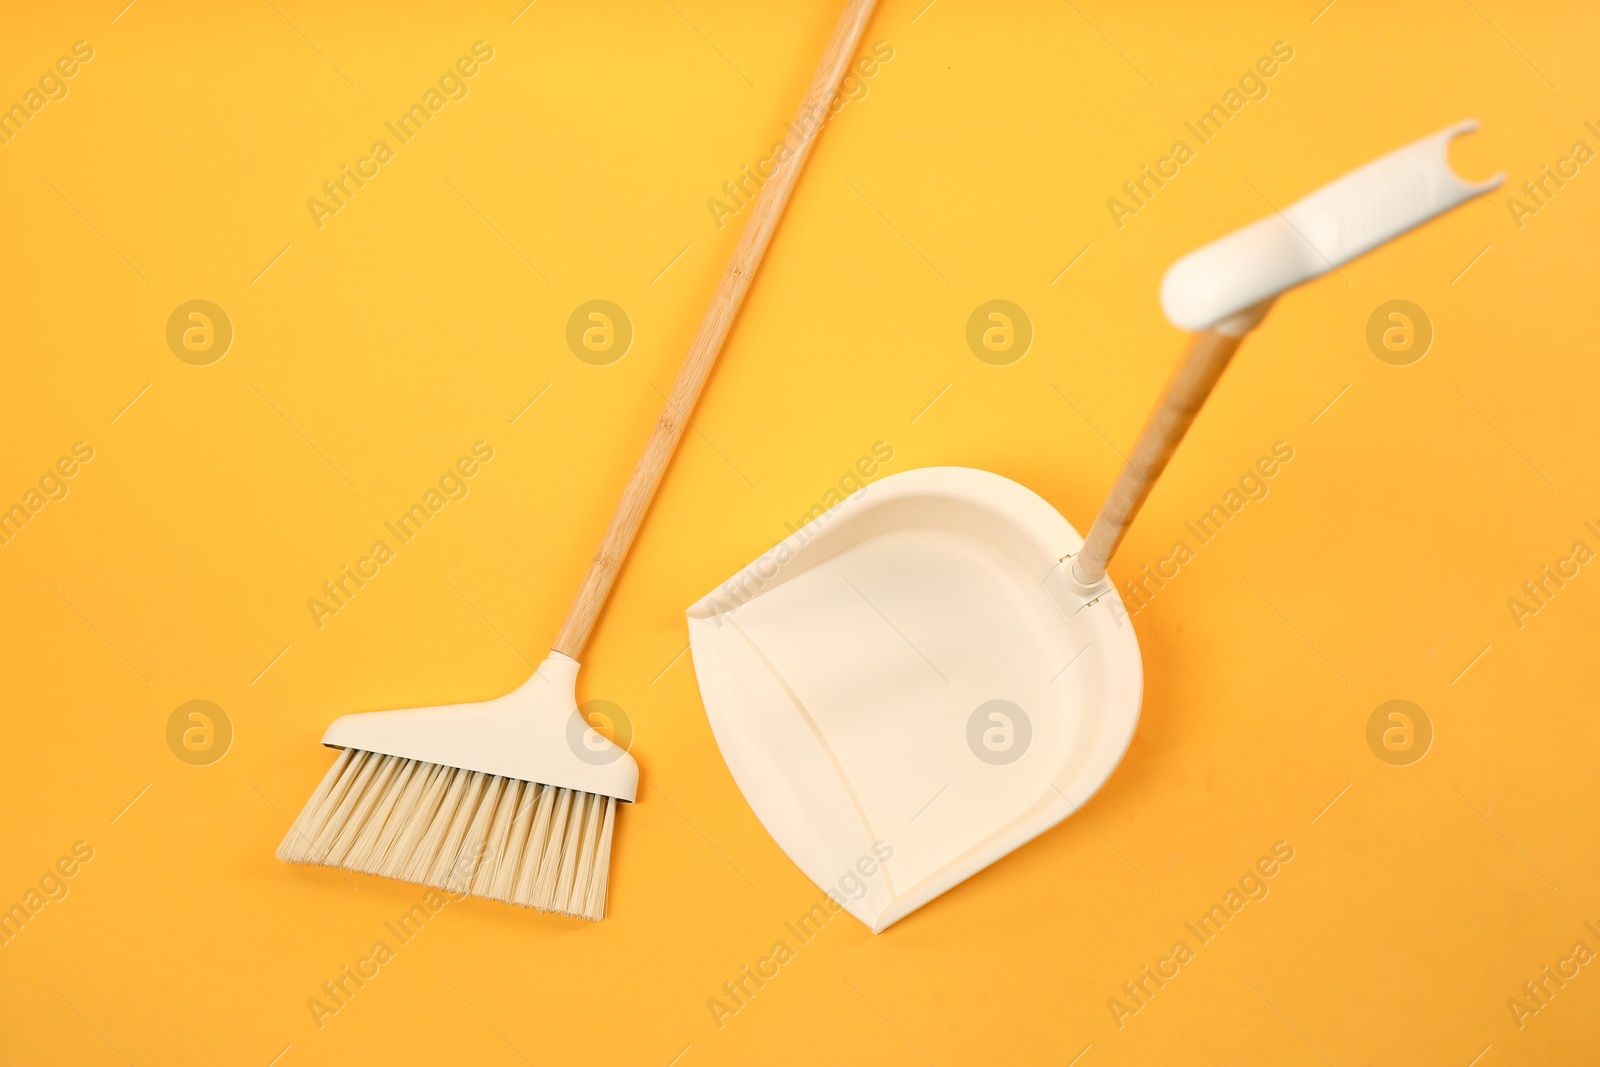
pixel 1203 363
pixel 769 205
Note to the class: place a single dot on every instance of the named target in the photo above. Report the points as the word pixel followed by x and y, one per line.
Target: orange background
pixel 376 349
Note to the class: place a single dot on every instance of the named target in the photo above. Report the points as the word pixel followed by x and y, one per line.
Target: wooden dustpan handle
pixel 769 205
pixel 1203 362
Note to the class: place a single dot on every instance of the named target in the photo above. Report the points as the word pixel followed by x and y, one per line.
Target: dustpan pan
pixel 938 670
pixel 907 676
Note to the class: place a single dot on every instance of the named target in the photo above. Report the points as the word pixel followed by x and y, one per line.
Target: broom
pixel 515 799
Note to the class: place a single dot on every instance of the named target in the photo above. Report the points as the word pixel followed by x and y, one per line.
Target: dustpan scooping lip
pixel 838 728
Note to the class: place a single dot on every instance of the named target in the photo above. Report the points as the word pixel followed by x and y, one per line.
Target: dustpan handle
pixel 815 109
pixel 1203 362
pixel 1226 287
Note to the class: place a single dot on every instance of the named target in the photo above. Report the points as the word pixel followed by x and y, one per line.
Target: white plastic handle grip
pixel 1344 219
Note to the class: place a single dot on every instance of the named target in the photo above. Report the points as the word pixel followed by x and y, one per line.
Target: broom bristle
pixel 536 845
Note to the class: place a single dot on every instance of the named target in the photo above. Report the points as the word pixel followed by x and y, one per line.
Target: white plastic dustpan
pixel 937 670
pixel 909 670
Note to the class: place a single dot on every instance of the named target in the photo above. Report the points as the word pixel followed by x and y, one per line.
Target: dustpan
pixel 899 677
pixel 938 670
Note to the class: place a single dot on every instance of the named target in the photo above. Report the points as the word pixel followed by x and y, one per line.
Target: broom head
pixel 512 799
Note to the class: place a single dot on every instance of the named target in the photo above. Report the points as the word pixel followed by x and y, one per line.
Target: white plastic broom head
pixel 513 799
pixel 534 733
pixel 1344 219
